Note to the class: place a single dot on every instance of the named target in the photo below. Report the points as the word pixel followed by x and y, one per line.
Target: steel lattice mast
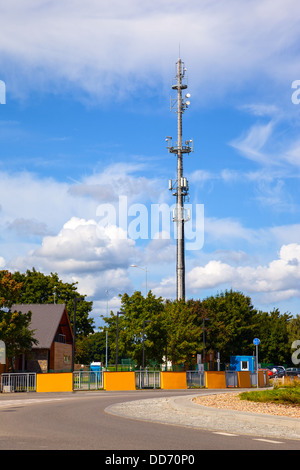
pixel 180 186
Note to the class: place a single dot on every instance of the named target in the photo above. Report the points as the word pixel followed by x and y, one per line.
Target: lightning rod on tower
pixel 180 187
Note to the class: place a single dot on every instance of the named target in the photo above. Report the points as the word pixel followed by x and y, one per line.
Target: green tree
pixel 273 332
pixel 14 326
pixel 10 289
pixel 294 329
pixel 40 288
pixel 92 348
pixel 138 313
pixel 170 329
pixel 231 324
pixel 183 330
pixel 16 334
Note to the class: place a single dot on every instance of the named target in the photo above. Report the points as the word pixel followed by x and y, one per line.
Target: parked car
pixel 293 371
pixel 278 371
pixel 268 371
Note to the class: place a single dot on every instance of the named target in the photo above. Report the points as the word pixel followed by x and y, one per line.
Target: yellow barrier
pixel 173 380
pixel 244 379
pixel 119 380
pixel 261 378
pixel 215 379
pixel 61 382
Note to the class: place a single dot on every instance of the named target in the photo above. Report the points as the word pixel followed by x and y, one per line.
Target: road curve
pixel 84 421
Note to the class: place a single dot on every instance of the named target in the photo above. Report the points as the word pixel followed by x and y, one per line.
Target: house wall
pixel 37 361
pixel 60 357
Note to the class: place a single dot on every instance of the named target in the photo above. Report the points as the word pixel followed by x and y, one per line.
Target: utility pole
pixel 74 330
pixel 180 187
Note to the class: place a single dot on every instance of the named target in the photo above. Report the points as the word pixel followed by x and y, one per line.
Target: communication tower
pixel 180 186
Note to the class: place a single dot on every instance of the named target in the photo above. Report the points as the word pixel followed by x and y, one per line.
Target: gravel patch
pixel 231 401
pixel 216 412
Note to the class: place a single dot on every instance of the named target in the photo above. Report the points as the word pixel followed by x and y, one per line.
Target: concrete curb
pixel 182 411
pixel 285 426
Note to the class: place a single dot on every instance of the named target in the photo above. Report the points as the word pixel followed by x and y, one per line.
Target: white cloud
pixel 25 196
pixel 213 274
pixel 261 109
pixel 251 146
pixel 109 48
pixel 79 248
pixel 166 288
pixel 279 279
pixel 120 179
pixel 284 234
pixel 292 154
pixel 78 254
pixel 228 229
pixel 28 227
pixel 98 257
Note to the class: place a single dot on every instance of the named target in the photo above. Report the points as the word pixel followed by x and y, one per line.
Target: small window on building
pixel 244 365
pixel 67 359
pixel 59 338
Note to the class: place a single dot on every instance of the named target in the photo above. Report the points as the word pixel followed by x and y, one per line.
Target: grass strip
pixel 285 394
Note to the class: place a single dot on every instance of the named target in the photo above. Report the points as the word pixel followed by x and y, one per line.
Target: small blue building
pixel 95 366
pixel 240 363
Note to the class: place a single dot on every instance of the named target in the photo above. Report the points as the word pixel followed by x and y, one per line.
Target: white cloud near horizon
pixel 279 279
pixel 77 250
pixel 62 217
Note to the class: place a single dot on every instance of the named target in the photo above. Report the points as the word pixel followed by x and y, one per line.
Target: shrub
pixel 284 394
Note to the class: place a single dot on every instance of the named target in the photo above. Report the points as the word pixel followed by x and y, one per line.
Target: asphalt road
pixel 78 421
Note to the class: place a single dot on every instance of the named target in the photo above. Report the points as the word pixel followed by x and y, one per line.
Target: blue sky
pixel 88 87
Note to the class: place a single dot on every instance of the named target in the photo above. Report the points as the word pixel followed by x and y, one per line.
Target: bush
pixel 283 394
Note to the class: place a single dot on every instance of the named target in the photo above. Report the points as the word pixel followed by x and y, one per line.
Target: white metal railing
pixel 195 378
pixel 253 377
pixel 87 380
pixel 147 378
pixel 18 382
pixel 231 378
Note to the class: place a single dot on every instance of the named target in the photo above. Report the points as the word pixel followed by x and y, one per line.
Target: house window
pixel 59 338
pixel 67 359
pixel 244 365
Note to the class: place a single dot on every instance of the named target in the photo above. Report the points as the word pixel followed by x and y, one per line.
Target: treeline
pixel 152 328
pixel 34 287
pixel 227 322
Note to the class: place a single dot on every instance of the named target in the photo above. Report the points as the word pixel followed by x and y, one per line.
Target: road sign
pixel 256 341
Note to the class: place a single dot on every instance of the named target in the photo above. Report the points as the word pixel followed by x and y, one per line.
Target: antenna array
pixel 180 186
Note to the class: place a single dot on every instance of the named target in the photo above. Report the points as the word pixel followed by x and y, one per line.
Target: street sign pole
pixel 256 341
